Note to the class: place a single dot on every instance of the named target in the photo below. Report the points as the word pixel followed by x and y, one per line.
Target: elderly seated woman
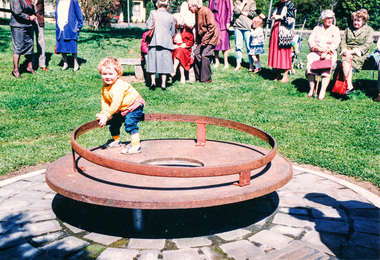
pixel 323 44
pixel 355 46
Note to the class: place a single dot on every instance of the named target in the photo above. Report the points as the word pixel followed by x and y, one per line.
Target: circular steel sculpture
pixel 172 173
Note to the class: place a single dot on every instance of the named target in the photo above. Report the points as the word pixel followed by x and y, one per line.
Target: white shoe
pixel 131 149
pixel 111 144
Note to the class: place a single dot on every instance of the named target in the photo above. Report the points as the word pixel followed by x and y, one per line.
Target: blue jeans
pixel 130 121
pixel 242 37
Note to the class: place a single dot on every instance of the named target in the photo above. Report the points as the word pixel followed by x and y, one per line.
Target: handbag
pixel 149 36
pixel 340 86
pixel 321 64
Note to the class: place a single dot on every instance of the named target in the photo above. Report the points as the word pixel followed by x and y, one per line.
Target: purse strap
pixel 345 79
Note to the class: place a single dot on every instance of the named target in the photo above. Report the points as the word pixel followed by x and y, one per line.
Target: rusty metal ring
pixel 168 171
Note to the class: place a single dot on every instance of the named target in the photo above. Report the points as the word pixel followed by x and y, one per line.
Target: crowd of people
pixel 194 36
pixel 28 20
pixel 211 34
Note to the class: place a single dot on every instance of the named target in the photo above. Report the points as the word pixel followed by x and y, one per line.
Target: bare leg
pixel 64 58
pixel 311 79
pixel 175 65
pixel 163 81
pixel 29 58
pixel 16 60
pixel 182 72
pixel 76 64
pixel 285 76
pixel 347 71
pixel 216 55
pixel 325 83
pixel 225 57
pixel 153 79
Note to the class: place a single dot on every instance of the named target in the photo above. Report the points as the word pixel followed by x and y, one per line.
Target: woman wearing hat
pixel 323 44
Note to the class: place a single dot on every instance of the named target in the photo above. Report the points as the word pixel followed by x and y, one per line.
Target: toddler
pixel 256 42
pixel 121 103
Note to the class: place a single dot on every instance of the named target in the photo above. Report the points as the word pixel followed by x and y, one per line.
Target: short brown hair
pixel 109 62
pixel 361 13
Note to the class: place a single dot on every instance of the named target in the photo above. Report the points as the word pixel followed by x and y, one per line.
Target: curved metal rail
pixel 167 171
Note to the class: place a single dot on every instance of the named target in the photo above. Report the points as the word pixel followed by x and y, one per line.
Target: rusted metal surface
pixel 166 174
pixel 165 171
pixel 104 186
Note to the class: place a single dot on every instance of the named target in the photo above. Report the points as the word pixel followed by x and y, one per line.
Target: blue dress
pixel 67 39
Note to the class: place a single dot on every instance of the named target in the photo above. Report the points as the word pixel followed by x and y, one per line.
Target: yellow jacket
pixel 119 96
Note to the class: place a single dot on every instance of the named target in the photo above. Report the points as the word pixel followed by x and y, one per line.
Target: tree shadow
pixel 170 223
pixel 350 229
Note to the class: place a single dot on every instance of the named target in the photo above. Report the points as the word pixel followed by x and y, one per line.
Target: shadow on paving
pixel 175 223
pixel 350 229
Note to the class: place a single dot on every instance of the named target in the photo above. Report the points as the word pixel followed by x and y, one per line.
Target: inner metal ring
pixel 178 171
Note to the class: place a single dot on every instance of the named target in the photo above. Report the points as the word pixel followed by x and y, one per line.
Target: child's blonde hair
pixel 258 21
pixel 112 63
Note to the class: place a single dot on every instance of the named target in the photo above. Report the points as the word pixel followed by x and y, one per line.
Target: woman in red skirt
pixel 280 53
pixel 182 41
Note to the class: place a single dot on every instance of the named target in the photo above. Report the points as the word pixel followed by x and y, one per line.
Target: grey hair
pixel 179 19
pixel 327 14
pixel 162 3
pixel 197 2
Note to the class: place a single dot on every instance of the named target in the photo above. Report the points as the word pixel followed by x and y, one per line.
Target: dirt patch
pixel 364 184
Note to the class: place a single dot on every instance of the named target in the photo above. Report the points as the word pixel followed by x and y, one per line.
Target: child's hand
pixel 102 119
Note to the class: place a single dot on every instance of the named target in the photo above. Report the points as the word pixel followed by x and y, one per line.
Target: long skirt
pixel 184 57
pixel 224 41
pixel 278 58
pixel 22 38
pixel 67 46
pixel 159 60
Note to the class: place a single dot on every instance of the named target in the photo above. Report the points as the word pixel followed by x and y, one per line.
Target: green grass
pixel 39 112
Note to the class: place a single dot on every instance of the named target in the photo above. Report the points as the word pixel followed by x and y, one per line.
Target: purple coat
pixel 222 10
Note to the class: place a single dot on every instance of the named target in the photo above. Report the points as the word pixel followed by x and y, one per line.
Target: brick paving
pixel 314 216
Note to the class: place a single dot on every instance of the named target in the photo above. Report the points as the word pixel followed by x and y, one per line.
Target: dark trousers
pixel 202 59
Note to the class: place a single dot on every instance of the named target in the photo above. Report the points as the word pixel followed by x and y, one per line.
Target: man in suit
pixel 207 37
pixel 39 30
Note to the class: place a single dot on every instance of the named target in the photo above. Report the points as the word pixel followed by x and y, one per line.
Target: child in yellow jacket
pixel 121 103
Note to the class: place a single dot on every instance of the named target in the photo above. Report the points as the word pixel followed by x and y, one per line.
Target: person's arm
pixel 18 12
pixel 311 42
pixel 79 14
pixel 209 27
pixel 252 10
pixel 363 48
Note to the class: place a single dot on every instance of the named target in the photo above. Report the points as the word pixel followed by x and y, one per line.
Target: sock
pixel 257 65
pixel 135 142
pixel 116 137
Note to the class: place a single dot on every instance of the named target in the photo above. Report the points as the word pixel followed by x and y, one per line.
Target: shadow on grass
pixel 173 223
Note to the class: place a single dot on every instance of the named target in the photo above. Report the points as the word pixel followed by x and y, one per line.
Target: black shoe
pixel 349 91
pixel 152 87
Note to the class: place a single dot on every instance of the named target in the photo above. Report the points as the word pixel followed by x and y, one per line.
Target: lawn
pixel 39 112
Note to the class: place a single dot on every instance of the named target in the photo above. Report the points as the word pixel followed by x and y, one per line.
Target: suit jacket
pixel 222 11
pixel 164 28
pixel 206 28
pixel 75 22
pixel 40 6
pixel 361 40
pixel 21 10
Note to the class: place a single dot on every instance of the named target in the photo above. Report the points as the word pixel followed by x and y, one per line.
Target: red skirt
pixel 184 57
pixel 278 58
